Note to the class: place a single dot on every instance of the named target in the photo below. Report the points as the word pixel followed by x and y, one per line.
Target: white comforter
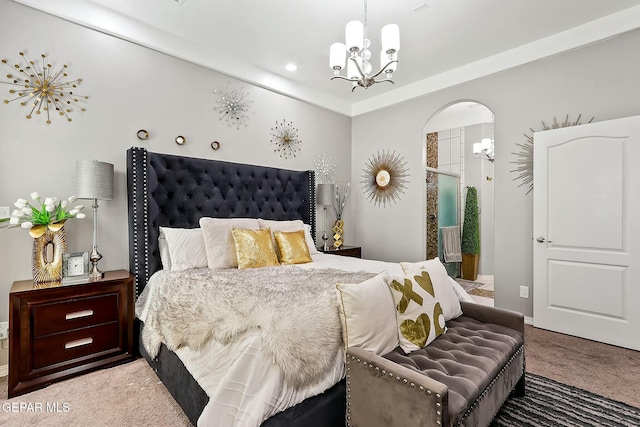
pixel 244 386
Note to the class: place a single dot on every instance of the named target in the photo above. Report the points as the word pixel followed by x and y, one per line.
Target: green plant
pixel 51 214
pixel 471 226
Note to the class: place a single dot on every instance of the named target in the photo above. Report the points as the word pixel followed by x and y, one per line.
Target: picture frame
pixel 75 268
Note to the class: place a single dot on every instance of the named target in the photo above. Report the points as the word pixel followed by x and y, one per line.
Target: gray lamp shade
pixel 326 194
pixel 94 180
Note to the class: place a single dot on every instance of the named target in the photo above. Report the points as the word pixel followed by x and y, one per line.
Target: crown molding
pixel 98 18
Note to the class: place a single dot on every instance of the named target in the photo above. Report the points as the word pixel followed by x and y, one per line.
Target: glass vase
pixel 46 259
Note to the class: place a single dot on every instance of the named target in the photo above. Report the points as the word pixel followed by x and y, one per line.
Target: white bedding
pixel 243 385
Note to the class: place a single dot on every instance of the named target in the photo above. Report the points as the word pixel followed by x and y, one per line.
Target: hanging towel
pixel 451 244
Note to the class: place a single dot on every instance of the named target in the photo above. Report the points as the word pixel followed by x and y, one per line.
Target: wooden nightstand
pixel 58 332
pixel 352 251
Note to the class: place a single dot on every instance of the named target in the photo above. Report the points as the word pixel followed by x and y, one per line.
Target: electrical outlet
pixel 524 292
pixel 4 330
pixel 5 212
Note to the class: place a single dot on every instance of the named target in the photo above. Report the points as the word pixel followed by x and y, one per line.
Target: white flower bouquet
pixel 50 214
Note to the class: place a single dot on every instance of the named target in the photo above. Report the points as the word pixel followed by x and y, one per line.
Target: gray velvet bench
pixel 460 379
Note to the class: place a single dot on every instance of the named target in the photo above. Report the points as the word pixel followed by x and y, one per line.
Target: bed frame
pixel 175 191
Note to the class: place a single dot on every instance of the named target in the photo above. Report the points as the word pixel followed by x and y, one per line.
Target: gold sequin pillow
pixel 254 248
pixel 418 312
pixel 292 247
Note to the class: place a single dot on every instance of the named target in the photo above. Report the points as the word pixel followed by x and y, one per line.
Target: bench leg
pixel 518 390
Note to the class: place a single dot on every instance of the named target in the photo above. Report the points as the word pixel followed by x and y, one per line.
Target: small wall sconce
pixel 484 149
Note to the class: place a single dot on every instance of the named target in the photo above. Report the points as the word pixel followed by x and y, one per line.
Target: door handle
pixel 432 217
pixel 541 239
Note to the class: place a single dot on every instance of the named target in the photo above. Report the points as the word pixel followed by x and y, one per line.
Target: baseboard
pixel 4 370
pixel 528 320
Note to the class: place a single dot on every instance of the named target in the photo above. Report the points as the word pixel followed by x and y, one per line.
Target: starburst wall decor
pixel 385 178
pixel 233 106
pixel 524 161
pixel 42 88
pixel 325 170
pixel 285 137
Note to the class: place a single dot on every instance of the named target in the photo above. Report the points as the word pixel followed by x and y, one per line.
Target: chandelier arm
pixel 385 80
pixel 358 67
pixel 383 68
pixel 344 78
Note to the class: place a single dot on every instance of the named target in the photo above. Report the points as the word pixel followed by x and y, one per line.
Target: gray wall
pixel 130 88
pixel 600 80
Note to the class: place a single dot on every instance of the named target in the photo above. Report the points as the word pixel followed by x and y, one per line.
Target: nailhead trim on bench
pixel 486 390
pixel 422 389
pixel 391 375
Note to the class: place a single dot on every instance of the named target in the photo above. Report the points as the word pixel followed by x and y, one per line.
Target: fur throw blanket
pixel 295 308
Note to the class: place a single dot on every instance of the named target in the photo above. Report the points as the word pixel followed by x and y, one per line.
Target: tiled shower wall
pixel 445 151
pixel 432 196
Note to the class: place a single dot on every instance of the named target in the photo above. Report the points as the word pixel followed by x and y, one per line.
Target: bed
pixel 176 192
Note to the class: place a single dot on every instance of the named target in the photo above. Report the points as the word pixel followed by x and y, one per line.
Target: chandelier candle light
pixel 357 44
pixel 94 181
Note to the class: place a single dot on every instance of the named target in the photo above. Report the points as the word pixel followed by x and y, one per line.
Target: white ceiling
pixel 443 42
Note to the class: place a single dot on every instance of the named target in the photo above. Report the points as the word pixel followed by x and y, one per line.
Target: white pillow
pixel 441 284
pixel 460 292
pixel 368 315
pixel 288 226
pixel 163 247
pixel 181 248
pixel 218 240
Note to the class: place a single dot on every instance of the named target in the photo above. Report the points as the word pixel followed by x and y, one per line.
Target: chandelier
pixel 357 46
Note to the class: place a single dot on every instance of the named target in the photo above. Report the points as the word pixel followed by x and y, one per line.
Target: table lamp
pixel 94 181
pixel 326 196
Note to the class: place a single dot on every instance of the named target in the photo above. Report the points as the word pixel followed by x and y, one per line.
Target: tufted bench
pixel 461 378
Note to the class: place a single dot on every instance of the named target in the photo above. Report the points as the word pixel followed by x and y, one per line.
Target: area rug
pixel 468 285
pixel 487 293
pixel 549 403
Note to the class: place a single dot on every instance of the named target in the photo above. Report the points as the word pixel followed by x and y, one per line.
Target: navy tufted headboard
pixel 175 191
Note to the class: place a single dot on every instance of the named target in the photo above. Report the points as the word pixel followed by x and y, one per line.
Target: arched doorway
pixel 451 166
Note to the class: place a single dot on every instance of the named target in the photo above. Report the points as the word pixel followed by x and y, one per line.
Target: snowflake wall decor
pixel 384 178
pixel 524 161
pixel 233 106
pixel 285 138
pixel 42 88
pixel 325 170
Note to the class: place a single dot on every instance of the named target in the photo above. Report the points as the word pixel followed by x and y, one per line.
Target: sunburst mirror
pixel 385 178
pixel 524 160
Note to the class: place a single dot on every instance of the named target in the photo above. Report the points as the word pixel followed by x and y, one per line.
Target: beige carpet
pixel 131 394
pixel 126 395
pixel 602 369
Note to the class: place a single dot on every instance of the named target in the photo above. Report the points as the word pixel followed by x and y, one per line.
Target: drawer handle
pixel 78 343
pixel 79 314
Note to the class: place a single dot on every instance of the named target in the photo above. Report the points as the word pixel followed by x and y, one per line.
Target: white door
pixel 586 227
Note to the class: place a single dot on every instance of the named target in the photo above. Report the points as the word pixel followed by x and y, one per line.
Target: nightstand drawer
pixel 73 314
pixel 58 348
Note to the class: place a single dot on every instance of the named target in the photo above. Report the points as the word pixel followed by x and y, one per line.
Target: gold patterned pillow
pixel 292 247
pixel 254 248
pixel 419 313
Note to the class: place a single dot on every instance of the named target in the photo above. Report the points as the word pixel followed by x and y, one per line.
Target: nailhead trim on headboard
pixel 175 191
